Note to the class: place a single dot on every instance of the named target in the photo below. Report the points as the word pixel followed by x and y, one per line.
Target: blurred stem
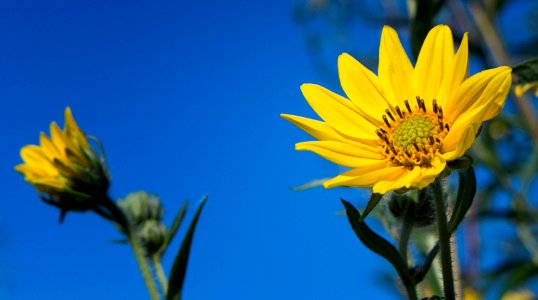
pixel 411 292
pixel 405 234
pixel 125 226
pixel 500 55
pixel 156 259
pixel 444 241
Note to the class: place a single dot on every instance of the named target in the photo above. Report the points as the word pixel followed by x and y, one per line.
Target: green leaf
pixel 179 268
pixel 174 228
pixel 466 192
pixel 376 243
pixel 374 200
pixel 419 272
pixel 526 72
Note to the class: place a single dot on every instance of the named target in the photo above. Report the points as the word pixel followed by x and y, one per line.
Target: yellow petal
pixel 395 70
pixel 499 97
pixel 34 157
pixel 30 173
pixel 47 183
pixel 366 176
pixel 58 137
pixel 479 98
pixel 363 88
pixel 48 148
pixel 72 130
pixel 342 153
pixel 455 144
pixel 428 175
pixel 317 129
pixel 456 74
pixel 434 60
pixel 404 180
pixel 338 112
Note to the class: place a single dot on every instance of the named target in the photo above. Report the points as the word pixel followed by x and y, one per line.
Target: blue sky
pixel 185 97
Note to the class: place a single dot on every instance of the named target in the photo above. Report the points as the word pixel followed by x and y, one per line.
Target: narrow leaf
pixel 527 71
pixel 518 277
pixel 421 271
pixel 174 228
pixel 376 243
pixel 177 274
pixel 466 192
pixel 374 200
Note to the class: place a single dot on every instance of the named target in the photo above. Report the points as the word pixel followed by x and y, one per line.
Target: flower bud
pixel 66 171
pixel 140 207
pixel 425 209
pixel 152 235
pixel 420 212
pixel 401 204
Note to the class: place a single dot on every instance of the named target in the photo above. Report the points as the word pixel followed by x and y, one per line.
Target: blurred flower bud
pixel 66 171
pixel 400 205
pixel 152 235
pixel 425 209
pixel 140 207
pixel 420 212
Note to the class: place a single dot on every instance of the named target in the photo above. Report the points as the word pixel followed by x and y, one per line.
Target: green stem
pixel 405 234
pixel 160 273
pixel 444 241
pixel 126 227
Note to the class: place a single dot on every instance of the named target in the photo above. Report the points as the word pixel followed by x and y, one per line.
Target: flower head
pixel 140 207
pixel 145 212
pixel 65 169
pixel 399 128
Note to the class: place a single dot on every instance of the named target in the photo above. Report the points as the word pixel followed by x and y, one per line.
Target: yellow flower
pixel 65 167
pixel 399 128
pixel 519 295
pixel 521 89
pixel 470 294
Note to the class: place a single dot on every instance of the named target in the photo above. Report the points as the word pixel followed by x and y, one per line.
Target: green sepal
pixel 179 268
pixel 527 71
pixel 376 243
pixel 464 199
pixel 460 163
pixel 174 228
pixel 374 200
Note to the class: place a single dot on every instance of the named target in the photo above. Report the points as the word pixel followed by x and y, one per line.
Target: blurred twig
pixel 501 57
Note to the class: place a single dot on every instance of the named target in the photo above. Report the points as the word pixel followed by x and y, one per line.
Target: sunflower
pixel 398 129
pixel 65 167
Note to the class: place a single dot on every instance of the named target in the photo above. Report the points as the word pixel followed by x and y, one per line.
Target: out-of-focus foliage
pixel 500 236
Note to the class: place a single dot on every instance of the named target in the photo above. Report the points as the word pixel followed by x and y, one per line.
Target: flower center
pixel 413 137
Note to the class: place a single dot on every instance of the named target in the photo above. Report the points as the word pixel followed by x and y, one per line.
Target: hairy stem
pixel 126 227
pixel 444 241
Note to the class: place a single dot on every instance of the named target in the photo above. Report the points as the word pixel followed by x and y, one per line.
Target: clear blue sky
pixel 186 97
